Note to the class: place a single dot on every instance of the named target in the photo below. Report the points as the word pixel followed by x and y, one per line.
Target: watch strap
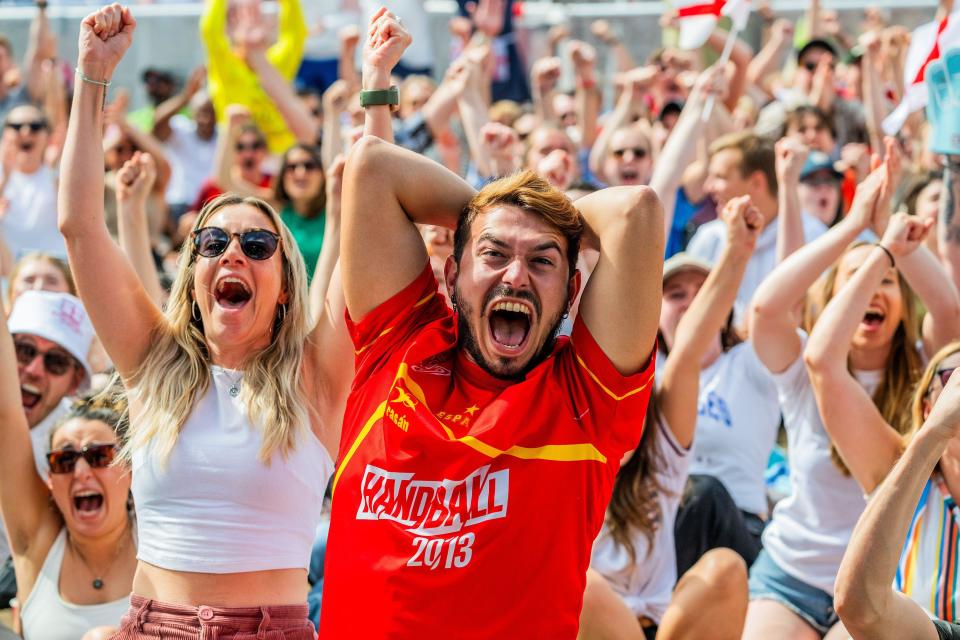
pixel 378 97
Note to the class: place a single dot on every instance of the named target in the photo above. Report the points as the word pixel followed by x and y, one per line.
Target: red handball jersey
pixel 466 506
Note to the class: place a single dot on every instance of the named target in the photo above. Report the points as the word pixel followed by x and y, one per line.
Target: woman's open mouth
pixel 231 293
pixel 872 320
pixel 88 504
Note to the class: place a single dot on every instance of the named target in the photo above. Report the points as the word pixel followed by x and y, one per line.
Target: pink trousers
pixel 153 620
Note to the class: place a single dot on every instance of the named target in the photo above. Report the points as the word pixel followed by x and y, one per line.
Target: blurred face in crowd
pixel 820 195
pixel 807 65
pixel 813 133
pixel 629 160
pixel 238 296
pixel 206 119
pixel 725 179
pixel 543 142
pixel 251 151
pixel 48 374
pixel 38 274
pixel 413 96
pixel 93 501
pixel 885 311
pixel 511 287
pixel 314 104
pixel 525 125
pixel 159 87
pixel 565 109
pixel 928 200
pixel 27 130
pixel 944 368
pixel 302 175
pixel 117 153
pixel 679 291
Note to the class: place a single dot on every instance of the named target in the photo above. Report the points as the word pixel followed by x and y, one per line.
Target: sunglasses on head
pixel 256 244
pixel 98 456
pixel 34 126
pixel 307 165
pixel 252 146
pixel 55 361
pixel 638 152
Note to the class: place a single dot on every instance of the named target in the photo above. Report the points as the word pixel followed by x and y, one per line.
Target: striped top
pixel 928 563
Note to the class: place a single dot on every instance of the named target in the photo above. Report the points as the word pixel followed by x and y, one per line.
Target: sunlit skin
pixel 233 332
pixel 820 196
pixel 724 178
pixel 29 145
pixel 565 109
pixel 511 256
pixel 803 78
pixel 628 160
pixel 928 208
pixel 300 183
pixel 543 142
pixel 873 338
pixel 414 96
pixel 111 482
pixel 679 290
pixel 38 274
pixel 42 391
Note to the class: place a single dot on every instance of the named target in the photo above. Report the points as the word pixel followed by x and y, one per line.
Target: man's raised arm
pixel 621 302
pixel 386 191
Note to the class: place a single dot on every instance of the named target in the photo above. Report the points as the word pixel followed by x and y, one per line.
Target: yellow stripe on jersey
pixel 607 390
pixel 356 443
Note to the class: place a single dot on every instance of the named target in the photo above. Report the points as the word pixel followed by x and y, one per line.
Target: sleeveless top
pixel 215 507
pixel 46 616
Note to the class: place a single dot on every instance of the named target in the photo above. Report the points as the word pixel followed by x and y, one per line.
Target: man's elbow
pixel 366 157
pixel 641 212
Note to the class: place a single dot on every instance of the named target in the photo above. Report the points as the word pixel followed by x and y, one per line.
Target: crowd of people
pixel 576 347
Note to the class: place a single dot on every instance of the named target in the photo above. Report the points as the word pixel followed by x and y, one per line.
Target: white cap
pixel 57 317
pixel 684 262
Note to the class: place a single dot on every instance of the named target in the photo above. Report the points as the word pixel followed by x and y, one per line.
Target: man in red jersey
pixel 479 450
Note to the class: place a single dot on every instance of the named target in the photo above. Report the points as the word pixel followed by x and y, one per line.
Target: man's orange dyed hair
pixel 529 192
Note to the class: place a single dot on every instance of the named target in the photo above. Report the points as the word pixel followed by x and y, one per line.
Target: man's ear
pixel 451 270
pixel 573 289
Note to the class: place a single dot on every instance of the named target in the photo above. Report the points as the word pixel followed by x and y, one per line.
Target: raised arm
pixel 773 317
pixel 134 182
pixel 769 56
pixel 287 52
pixel 175 104
pixel 385 43
pixel 544 75
pixel 602 31
pixel 630 102
pixel 790 156
pixel 740 56
pixel 41 47
pixel 868 444
pixel 334 104
pixel 621 301
pixel 588 96
pixel 379 223
pixel 864 598
pixel 705 318
pixel 122 313
pixel 24 498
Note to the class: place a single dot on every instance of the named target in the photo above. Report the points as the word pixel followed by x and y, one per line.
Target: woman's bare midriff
pixel 250 589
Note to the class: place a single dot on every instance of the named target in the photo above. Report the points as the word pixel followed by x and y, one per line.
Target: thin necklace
pixel 97 581
pixel 234 390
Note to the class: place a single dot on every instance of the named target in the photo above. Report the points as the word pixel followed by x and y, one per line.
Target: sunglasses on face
pixel 34 127
pixel 308 165
pixel 252 146
pixel 638 152
pixel 256 244
pixel 944 375
pixel 812 66
pixel 98 456
pixel 55 361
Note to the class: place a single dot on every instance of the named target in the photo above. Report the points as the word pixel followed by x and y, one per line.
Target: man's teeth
pixel 514 307
pixel 30 389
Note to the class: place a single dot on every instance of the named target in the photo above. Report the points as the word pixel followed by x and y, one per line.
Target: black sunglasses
pixel 55 361
pixel 34 127
pixel 944 375
pixel 253 146
pixel 256 244
pixel 308 165
pixel 638 152
pixel 97 456
pixel 812 66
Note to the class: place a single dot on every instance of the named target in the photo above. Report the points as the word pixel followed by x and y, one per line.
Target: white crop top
pixel 215 507
pixel 47 616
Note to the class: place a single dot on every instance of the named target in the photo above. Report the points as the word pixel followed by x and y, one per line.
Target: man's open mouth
pixel 510 324
pixel 231 293
pixel 629 175
pixel 29 396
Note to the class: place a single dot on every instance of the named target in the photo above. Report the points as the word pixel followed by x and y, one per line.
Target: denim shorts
pixel 769 582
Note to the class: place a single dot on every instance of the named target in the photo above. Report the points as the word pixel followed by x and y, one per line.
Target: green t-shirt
pixel 308 232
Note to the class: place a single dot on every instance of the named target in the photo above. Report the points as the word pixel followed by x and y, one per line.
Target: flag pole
pixel 722 62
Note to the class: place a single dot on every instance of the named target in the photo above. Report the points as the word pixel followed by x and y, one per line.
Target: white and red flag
pixel 698 18
pixel 927 42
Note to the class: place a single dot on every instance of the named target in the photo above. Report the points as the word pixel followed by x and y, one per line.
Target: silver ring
pixel 399 20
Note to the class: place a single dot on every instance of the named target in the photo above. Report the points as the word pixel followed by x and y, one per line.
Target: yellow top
pixel 231 81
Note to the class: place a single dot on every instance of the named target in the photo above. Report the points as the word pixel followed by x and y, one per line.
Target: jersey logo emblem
pixel 405 399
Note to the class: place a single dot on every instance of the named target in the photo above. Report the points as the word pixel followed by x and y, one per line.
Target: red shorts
pixel 150 619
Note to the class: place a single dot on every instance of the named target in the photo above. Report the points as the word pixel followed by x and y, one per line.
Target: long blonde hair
pixel 176 371
pixel 903 366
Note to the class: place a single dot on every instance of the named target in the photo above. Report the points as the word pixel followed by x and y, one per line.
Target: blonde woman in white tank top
pixel 231 384
pixel 74 559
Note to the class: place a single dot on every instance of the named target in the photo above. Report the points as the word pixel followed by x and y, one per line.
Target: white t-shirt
pixel 811 527
pixel 647 584
pixel 31 221
pixel 710 239
pixel 738 414
pixel 191 160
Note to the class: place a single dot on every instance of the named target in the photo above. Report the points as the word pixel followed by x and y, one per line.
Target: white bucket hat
pixel 57 317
